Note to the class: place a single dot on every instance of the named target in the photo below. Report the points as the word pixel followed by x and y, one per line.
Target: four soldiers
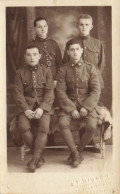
pixel 78 88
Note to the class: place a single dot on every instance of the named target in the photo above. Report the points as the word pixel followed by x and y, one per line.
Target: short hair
pixel 31 45
pixel 71 42
pixel 39 19
pixel 84 16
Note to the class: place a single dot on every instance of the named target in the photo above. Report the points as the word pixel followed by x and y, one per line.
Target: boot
pixel 40 162
pixel 32 164
pixel 71 158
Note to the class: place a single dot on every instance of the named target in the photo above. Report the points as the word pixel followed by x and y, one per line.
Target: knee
pixel 63 123
pixel 24 129
pixel 91 126
pixel 43 127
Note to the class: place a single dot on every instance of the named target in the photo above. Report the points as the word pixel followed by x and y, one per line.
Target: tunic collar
pixel 42 39
pixel 85 37
pixel 78 64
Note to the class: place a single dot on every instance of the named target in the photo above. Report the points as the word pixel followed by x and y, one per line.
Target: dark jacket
pixel 51 54
pixel 93 52
pixel 78 86
pixel 34 85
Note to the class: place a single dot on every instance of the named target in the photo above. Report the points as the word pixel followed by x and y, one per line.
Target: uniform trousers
pixel 38 141
pixel 89 127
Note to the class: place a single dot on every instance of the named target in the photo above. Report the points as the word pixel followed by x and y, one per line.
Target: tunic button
pixel 78 98
pixel 33 72
pixel 84 55
pixel 34 86
pixel 34 81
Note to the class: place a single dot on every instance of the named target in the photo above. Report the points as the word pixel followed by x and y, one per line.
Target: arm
pixel 65 103
pixel 94 93
pixel 19 93
pixel 101 63
pixel 48 92
pixel 65 56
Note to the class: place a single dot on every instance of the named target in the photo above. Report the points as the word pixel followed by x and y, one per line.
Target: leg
pixel 91 125
pixel 24 127
pixel 64 124
pixel 40 142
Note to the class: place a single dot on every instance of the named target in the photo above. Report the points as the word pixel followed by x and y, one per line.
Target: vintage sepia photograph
pixel 73 44
pixel 59 98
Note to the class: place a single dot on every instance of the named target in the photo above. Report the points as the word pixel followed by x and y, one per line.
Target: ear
pixel 81 50
pixel 40 55
pixel 91 26
pixel 68 52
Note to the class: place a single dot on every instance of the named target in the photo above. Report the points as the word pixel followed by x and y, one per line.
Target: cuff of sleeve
pixel 45 107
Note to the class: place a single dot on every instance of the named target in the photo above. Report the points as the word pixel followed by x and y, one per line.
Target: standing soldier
pixel 34 98
pixel 51 54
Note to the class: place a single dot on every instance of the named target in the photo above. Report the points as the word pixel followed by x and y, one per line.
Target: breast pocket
pixel 26 83
pixel 41 83
pixel 52 55
pixel 84 84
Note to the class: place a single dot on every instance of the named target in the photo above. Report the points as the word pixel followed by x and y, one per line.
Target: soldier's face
pixel 84 26
pixel 75 52
pixel 41 28
pixel 32 57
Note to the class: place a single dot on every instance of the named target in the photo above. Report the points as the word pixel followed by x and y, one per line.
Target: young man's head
pixel 32 55
pixel 74 50
pixel 84 24
pixel 41 27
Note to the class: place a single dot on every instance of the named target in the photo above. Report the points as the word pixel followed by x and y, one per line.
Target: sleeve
pixel 94 94
pixel 101 63
pixel 48 98
pixel 65 57
pixel 58 57
pixel 65 103
pixel 19 93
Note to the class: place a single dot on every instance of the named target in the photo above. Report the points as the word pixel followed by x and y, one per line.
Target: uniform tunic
pixel 34 85
pixel 93 52
pixel 78 86
pixel 51 54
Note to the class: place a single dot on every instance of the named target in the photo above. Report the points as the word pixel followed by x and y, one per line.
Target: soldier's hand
pixel 75 114
pixel 83 112
pixel 29 113
pixel 38 113
pixel 55 83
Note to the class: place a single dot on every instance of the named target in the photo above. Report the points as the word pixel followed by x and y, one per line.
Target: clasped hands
pixel 76 115
pixel 34 114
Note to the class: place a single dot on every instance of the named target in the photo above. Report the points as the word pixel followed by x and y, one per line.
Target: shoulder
pixel 90 67
pixel 95 40
pixel 21 69
pixel 52 41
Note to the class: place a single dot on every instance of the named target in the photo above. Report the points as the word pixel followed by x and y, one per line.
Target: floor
pixel 55 161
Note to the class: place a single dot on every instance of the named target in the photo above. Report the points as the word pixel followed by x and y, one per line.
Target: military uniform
pixel 34 89
pixel 51 54
pixel 78 86
pixel 93 52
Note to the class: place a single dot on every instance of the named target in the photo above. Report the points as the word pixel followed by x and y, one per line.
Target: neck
pixel 75 61
pixel 43 37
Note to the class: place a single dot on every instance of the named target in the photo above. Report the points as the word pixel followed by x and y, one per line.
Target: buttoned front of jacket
pixel 93 52
pixel 78 86
pixel 51 54
pixel 33 85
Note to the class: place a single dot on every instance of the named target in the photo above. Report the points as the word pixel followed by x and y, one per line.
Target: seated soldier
pixel 34 98
pixel 78 91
